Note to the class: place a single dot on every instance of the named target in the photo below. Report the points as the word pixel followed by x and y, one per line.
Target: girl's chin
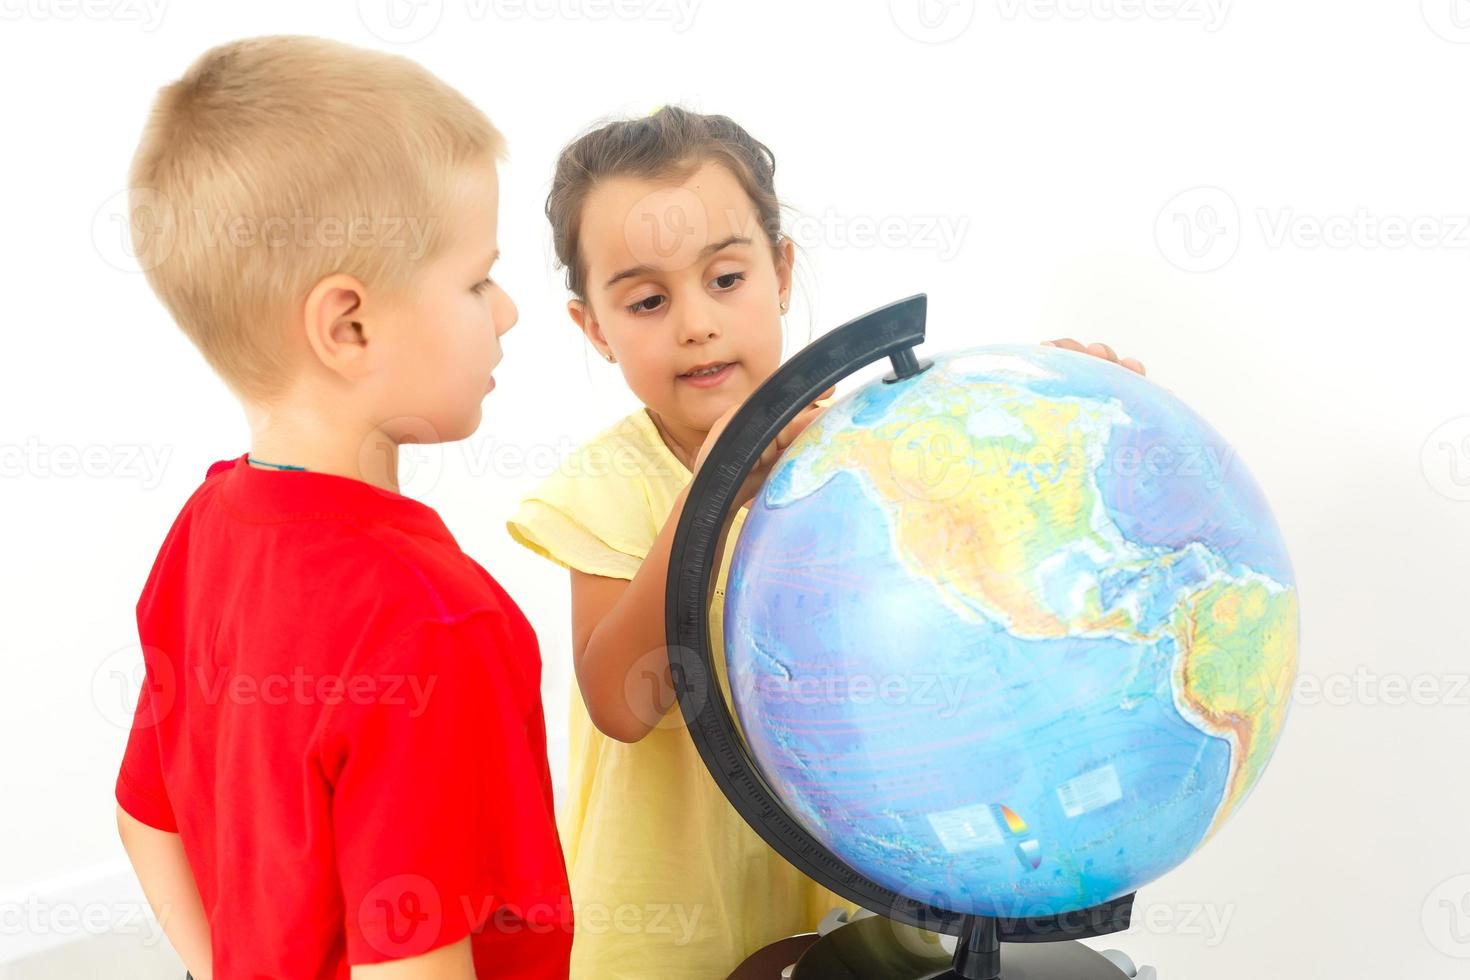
pixel 702 409
pixel 712 410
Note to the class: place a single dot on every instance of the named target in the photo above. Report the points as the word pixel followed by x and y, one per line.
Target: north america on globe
pixel 1013 636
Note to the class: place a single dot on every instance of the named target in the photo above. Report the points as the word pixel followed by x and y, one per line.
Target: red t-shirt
pixel 341 717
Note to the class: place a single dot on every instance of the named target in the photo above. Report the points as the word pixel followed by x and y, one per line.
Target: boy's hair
pixel 672 142
pixel 276 161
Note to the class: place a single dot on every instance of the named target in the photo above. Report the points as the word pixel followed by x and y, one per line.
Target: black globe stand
pixel 977 957
pixel 1041 947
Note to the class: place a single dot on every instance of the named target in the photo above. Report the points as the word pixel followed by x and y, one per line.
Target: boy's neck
pixel 290 435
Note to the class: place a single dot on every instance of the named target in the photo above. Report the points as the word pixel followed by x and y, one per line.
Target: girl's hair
pixel 671 142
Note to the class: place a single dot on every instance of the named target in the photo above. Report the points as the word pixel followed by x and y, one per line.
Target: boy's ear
pixel 586 321
pixel 332 320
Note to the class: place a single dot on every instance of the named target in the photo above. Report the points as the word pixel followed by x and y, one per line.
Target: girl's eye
pixel 727 281
pixel 647 305
pixel 481 286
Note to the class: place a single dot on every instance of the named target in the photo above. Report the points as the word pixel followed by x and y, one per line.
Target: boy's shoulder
pixel 365 560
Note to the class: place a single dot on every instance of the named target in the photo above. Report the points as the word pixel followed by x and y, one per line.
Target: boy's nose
pixel 507 315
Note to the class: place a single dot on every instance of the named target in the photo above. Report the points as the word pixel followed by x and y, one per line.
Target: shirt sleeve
pixel 140 788
pixel 441 808
pixel 593 514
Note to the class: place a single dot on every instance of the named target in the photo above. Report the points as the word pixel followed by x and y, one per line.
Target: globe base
pixel 878 948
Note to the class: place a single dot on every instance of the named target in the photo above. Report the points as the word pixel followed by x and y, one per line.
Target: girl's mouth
pixel 709 375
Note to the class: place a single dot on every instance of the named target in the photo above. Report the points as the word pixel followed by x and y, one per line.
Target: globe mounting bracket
pixel 906 365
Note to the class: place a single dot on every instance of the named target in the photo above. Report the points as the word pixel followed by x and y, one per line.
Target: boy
pixel 337 766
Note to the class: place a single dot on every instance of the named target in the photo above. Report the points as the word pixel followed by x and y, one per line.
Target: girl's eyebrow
pixel 708 250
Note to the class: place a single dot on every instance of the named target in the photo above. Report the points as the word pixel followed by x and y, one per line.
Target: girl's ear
pixel 785 263
pixel 586 321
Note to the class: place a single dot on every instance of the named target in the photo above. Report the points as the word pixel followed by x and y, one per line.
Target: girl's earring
pixel 783 306
pixel 611 359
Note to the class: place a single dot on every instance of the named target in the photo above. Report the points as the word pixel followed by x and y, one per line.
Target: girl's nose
pixel 697 327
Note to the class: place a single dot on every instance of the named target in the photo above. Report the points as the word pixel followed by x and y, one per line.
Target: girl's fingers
pixel 788 435
pixel 1099 349
pixel 796 426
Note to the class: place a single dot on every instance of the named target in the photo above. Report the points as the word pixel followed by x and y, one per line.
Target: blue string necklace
pixel 275 466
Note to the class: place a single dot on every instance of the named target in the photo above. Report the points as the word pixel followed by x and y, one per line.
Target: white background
pixel 1221 189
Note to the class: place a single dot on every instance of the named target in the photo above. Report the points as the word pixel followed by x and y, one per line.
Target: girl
pixel 669 230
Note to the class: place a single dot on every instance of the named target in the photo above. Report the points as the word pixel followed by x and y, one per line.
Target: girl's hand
pixel 762 469
pixel 1097 350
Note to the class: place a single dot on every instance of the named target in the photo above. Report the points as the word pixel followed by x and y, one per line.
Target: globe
pixel 1013 636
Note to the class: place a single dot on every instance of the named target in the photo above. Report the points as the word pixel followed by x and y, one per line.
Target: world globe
pixel 1012 636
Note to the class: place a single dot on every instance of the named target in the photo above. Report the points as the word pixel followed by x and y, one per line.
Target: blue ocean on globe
pixel 1013 636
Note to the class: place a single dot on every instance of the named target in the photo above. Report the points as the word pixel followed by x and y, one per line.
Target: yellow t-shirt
pixel 668 882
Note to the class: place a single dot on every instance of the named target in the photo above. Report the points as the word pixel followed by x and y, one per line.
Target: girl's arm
pixel 168 883
pixel 618 640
